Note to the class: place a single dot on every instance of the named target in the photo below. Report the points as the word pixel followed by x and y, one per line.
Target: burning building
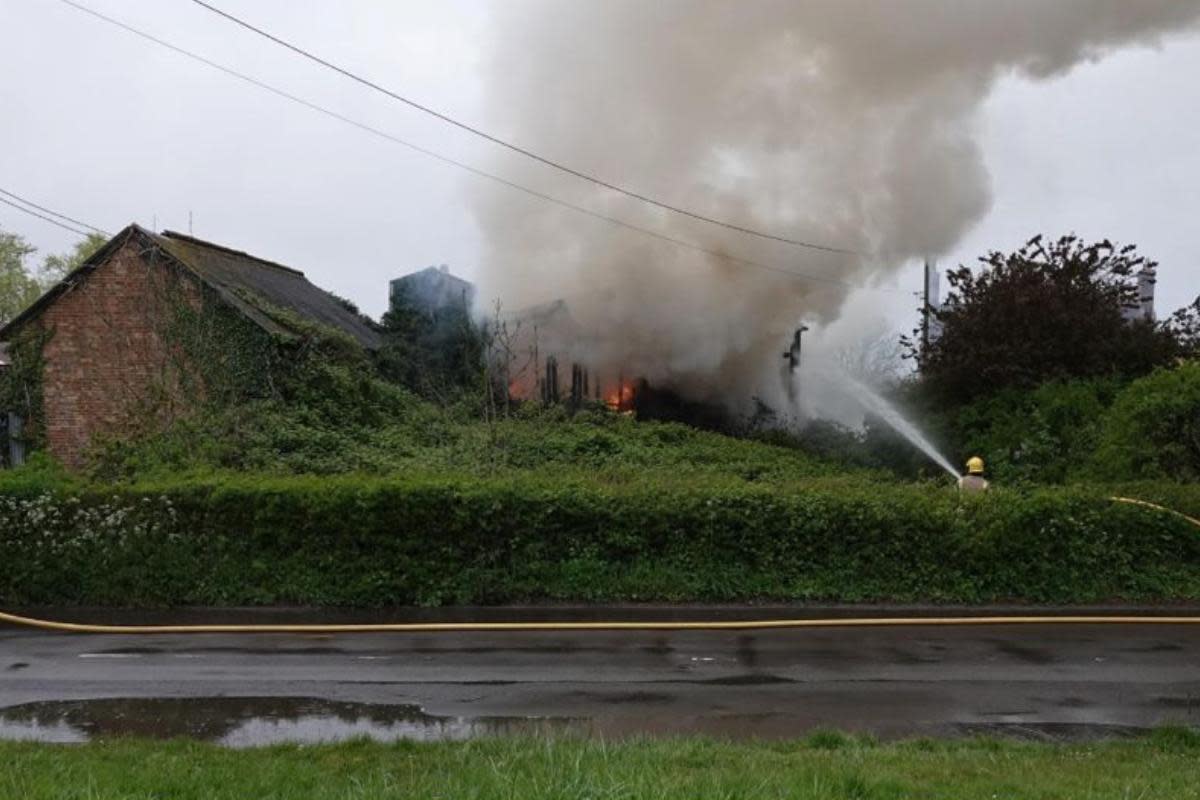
pixel 538 343
pixel 850 125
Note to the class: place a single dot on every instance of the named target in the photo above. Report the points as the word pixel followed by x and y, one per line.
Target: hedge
pixel 369 542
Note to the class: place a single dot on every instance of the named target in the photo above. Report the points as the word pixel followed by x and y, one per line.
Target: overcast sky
pixel 109 128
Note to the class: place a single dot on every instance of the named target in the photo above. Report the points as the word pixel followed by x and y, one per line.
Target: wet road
pixel 1060 682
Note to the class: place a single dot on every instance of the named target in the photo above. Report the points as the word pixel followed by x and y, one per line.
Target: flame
pixel 620 398
pixel 518 390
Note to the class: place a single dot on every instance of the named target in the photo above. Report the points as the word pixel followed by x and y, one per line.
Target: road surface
pixel 1074 681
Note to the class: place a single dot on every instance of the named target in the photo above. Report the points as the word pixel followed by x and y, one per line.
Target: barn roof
pixel 251 284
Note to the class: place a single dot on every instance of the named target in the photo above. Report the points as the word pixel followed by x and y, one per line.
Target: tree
pixel 57 267
pixel 437 353
pixel 18 286
pixel 1184 325
pixel 1153 428
pixel 1049 311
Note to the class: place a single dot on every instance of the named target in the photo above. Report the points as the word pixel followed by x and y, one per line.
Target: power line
pixel 32 204
pixel 459 164
pixel 51 220
pixel 558 165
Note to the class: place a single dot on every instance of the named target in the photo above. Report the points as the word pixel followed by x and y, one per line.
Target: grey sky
pixel 109 128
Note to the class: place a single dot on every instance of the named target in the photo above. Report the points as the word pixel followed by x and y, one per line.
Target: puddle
pixel 256 721
pixel 253 721
pixel 1048 731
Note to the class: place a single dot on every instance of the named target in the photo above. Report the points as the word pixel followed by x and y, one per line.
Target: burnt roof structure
pixel 252 285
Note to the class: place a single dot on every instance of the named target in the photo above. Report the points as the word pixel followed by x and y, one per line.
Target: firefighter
pixel 973 481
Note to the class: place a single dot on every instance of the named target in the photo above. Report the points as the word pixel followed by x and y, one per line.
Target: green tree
pixel 57 267
pixel 1049 311
pixel 438 354
pixel 18 286
pixel 1184 325
pixel 1045 435
pixel 1153 428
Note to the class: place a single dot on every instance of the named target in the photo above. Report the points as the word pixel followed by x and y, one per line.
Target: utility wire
pixel 51 211
pixel 51 220
pixel 461 165
pixel 558 165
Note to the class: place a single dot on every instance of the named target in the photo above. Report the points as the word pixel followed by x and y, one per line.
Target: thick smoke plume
pixel 851 123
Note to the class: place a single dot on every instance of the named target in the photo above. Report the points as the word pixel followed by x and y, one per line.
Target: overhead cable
pixel 558 165
pixel 49 219
pixel 462 165
pixel 51 211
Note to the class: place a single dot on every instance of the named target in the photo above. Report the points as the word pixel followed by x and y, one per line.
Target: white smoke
pixel 850 123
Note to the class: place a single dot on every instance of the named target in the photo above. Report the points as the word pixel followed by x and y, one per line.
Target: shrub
pixel 407 435
pixel 1153 428
pixel 1042 436
pixel 356 541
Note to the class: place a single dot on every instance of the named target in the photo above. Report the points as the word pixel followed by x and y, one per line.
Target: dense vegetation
pixel 313 472
pixel 436 353
pixel 825 766
pixel 1097 429
pixel 571 536
pixel 1038 370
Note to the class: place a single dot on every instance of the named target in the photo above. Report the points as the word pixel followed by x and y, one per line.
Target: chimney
pixel 932 327
pixel 1143 305
pixel 1147 277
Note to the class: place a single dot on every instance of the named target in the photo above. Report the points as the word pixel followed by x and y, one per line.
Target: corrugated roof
pixel 244 280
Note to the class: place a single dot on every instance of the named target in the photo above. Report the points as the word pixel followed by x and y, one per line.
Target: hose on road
pixel 615 625
pixel 639 625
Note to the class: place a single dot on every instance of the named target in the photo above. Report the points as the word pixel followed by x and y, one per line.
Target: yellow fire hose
pixel 704 625
pixel 1131 501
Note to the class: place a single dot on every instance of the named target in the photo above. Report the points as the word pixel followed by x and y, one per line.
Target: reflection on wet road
pixel 1061 682
pixel 249 721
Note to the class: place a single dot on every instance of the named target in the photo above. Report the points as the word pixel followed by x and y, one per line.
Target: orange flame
pixel 519 390
pixel 620 398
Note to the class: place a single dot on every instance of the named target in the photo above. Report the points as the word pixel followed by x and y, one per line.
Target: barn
pixel 101 348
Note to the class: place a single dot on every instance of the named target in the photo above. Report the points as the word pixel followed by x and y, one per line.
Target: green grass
pixel 1163 765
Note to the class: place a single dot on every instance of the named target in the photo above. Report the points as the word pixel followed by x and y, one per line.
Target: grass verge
pixel 1165 764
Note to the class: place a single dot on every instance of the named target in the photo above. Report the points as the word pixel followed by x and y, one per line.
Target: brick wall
pixel 106 366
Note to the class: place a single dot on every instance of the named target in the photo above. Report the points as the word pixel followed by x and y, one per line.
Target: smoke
pixel 844 122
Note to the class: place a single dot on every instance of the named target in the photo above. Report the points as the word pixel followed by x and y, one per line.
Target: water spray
pixel 879 405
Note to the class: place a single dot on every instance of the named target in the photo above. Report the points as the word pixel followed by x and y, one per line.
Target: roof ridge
pixel 183 237
pixel 436 269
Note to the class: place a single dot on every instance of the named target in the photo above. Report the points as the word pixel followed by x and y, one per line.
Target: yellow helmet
pixel 974 465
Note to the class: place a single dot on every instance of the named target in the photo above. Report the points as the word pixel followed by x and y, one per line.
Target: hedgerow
pixel 366 542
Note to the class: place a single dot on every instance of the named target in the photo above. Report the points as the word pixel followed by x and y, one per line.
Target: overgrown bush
pixel 1153 428
pixel 358 541
pixel 437 353
pixel 1041 436
pixel 409 435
